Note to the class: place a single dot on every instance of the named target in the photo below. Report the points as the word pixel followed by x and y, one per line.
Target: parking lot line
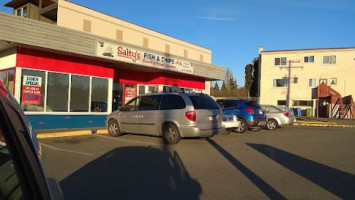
pixel 69 151
pixel 124 140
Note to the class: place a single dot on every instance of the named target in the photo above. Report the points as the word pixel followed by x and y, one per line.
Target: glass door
pixel 117 96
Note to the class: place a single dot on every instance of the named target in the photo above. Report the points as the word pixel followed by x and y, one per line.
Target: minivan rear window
pixel 204 102
pixel 172 102
pixel 252 104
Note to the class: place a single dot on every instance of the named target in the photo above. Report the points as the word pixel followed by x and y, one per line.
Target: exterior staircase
pixel 341 108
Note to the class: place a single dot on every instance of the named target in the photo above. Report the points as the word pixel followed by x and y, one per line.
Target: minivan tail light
pixel 249 110
pixel 191 115
pixel 287 114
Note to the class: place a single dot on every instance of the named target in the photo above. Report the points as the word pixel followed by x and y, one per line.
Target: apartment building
pixel 306 68
pixel 70 66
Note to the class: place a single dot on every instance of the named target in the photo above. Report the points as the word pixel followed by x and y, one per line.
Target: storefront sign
pixel 130 93
pixel 137 56
pixel 31 90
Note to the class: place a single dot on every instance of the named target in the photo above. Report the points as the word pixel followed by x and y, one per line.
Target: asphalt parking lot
pixel 289 163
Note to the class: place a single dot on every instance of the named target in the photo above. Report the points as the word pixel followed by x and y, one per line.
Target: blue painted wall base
pixel 39 122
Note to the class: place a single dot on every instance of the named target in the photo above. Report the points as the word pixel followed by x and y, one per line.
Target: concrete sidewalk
pixel 324 122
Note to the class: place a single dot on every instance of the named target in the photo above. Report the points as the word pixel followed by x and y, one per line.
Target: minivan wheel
pixel 271 124
pixel 171 134
pixel 243 126
pixel 113 128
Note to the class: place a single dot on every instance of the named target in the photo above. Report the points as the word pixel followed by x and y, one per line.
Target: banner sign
pixel 31 90
pixel 130 93
pixel 140 57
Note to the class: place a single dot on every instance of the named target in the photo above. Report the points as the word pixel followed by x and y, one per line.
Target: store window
pixel 80 89
pixel 33 90
pixel 57 92
pixel 7 77
pixel 99 95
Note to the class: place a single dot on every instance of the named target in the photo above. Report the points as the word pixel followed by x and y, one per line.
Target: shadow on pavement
pixel 254 178
pixel 132 173
pixel 335 181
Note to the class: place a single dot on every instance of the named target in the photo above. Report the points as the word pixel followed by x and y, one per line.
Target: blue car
pixel 249 113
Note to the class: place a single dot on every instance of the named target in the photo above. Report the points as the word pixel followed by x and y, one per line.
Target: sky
pixel 234 29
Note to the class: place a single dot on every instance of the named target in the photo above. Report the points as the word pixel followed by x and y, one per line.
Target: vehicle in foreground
pixel 171 115
pixel 249 113
pixel 277 117
pixel 22 170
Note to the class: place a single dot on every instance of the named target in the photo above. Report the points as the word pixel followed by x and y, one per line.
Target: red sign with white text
pixel 31 90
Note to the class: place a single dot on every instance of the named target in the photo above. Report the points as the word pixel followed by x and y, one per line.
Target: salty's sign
pixel 31 90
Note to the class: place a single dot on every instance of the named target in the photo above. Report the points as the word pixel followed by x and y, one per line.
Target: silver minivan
pixel 171 115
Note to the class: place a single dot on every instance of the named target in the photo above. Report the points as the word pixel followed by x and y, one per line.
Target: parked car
pixel 22 167
pixel 278 117
pixel 249 113
pixel 171 115
pixel 230 123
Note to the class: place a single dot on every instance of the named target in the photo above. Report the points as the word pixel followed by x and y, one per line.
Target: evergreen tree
pixel 254 89
pixel 224 89
pixel 248 76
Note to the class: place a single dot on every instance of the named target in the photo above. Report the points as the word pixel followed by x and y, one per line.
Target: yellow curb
pixel 325 125
pixel 314 122
pixel 69 133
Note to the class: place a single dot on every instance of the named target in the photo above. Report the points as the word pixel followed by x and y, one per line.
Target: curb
pixel 70 133
pixel 332 124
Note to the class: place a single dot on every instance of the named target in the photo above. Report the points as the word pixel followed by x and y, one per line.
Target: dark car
pixel 171 115
pixel 22 174
pixel 249 113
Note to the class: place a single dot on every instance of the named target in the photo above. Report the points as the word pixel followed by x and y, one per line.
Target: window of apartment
pixel 145 42
pixel 329 60
pixel 312 83
pixel 280 61
pixel 333 81
pixel 119 35
pixel 167 48
pixel 57 92
pixel 281 102
pixel 99 94
pixel 24 11
pixel 80 89
pixel 280 83
pixel 308 59
pixel 302 103
pixel 186 55
pixel 87 26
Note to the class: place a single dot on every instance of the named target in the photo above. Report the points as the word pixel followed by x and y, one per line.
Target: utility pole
pixel 289 80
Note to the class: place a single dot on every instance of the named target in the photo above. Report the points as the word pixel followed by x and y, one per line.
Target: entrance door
pixel 117 96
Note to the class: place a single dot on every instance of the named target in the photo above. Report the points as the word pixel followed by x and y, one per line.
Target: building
pixel 70 66
pixel 334 67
